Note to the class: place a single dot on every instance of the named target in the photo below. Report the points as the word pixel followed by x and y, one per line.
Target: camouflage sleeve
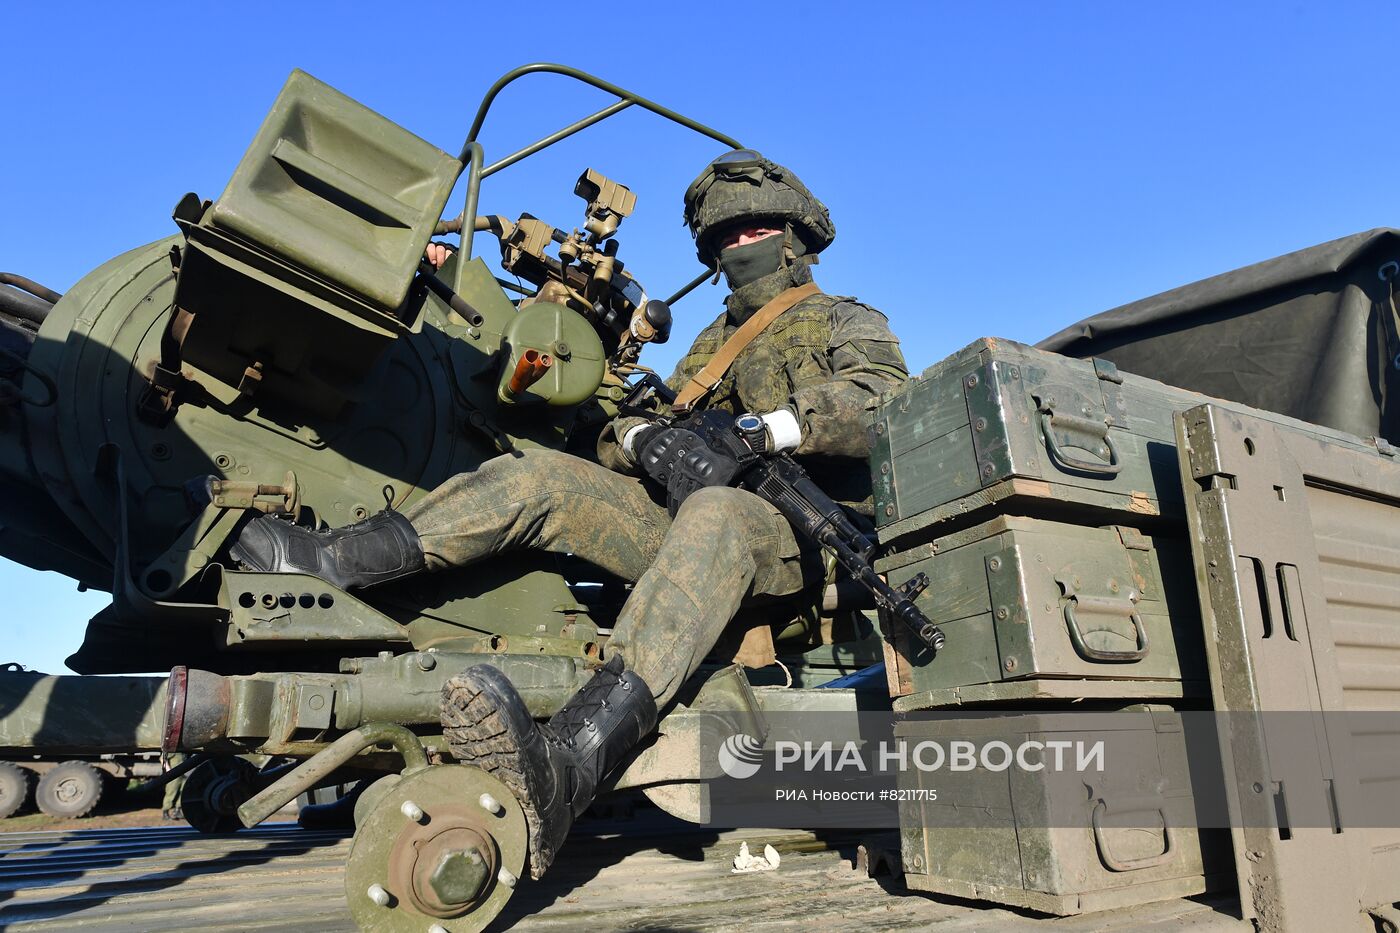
pixel 864 360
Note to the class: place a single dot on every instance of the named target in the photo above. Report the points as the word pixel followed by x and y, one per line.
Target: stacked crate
pixel 1042 496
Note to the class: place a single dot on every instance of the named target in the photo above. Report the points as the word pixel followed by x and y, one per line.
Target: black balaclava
pixel 752 261
pixel 759 272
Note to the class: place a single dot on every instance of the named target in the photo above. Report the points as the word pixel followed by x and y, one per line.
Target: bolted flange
pixel 437 851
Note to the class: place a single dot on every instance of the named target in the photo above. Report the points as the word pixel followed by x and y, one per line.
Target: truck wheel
pixel 214 791
pixel 14 787
pixel 70 790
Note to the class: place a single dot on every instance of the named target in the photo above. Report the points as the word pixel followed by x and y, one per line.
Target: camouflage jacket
pixel 826 360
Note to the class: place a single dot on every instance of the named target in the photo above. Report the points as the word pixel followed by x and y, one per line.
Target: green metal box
pixel 1064 841
pixel 296 279
pixel 339 191
pixel 1034 609
pixel 1000 426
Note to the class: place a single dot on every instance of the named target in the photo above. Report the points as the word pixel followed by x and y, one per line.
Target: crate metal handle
pixel 1048 419
pixel 1132 864
pixel 1115 607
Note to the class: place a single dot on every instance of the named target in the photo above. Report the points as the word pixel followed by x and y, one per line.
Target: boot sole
pixel 480 734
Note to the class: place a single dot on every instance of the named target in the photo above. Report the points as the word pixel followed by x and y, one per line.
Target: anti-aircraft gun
pixel 289 351
pixel 1099 543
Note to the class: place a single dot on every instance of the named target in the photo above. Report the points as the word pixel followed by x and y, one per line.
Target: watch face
pixel 748 422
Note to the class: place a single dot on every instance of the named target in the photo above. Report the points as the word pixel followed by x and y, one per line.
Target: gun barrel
pixel 529 370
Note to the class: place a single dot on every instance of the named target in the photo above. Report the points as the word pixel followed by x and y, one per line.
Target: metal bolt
pixel 1113 585
pixel 994 564
pixel 378 895
pixel 490 804
pixel 988 469
pixel 971 381
pixel 460 876
pixel 411 810
pixel 885 467
pixel 880 428
pixel 506 878
pixel 1002 613
pixel 980 424
pixel 426 662
pixel 1010 664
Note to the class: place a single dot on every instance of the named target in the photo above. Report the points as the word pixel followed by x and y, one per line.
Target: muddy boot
pixel 553 769
pixel 383 547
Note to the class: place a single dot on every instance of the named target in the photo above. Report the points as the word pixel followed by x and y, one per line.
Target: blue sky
pixel 1000 168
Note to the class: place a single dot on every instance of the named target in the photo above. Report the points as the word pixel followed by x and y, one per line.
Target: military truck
pixel 68 786
pixel 69 772
pixel 1095 539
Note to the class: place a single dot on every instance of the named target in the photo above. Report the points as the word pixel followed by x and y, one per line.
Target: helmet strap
pixel 791 256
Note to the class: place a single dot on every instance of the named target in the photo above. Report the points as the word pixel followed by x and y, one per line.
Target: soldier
pixel 811 372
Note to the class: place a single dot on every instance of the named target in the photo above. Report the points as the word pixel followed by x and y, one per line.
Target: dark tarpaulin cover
pixel 1310 335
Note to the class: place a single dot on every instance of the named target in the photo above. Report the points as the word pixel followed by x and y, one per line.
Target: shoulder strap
pixel 703 382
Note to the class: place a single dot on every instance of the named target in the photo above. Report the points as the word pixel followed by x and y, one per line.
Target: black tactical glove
pixel 680 459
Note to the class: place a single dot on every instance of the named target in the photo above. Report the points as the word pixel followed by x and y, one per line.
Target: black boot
pixel 552 769
pixel 383 547
pixel 337 814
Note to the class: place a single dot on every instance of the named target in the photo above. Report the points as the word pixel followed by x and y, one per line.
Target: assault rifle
pixel 780 481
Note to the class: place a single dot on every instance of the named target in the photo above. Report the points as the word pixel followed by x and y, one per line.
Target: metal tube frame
pixel 471 154
pixel 690 286
pixel 333 756
pixel 552 138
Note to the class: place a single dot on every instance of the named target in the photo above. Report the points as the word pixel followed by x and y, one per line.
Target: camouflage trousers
pixel 725 547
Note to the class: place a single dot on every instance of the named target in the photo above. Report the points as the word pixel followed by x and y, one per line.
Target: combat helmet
pixel 743 185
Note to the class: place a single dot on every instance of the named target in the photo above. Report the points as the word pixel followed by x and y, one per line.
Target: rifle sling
pixel 703 382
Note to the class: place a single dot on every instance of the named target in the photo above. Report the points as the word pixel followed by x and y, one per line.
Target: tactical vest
pixel 791 352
